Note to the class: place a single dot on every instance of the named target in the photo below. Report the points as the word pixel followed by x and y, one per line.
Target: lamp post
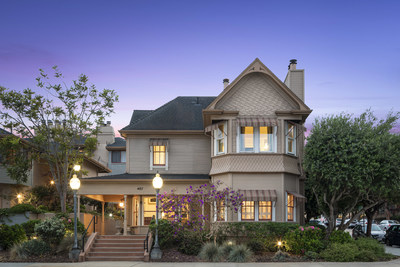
pixel 156 252
pixel 75 184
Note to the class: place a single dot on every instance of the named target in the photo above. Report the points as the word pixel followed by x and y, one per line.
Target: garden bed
pixel 4 257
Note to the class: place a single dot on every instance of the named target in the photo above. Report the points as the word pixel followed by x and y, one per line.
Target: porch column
pixel 125 221
pixel 102 217
pixel 78 213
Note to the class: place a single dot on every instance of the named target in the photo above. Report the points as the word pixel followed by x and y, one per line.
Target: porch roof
pixel 150 176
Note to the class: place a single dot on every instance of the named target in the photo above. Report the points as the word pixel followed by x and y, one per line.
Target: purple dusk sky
pixel 153 51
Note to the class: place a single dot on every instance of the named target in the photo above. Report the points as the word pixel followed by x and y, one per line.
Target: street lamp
pixel 75 184
pixel 156 252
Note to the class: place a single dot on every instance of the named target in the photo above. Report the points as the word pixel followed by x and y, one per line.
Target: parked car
pixel 387 223
pixel 338 221
pixel 352 224
pixel 360 230
pixel 392 236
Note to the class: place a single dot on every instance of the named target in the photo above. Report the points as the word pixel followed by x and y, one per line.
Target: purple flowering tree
pixel 192 210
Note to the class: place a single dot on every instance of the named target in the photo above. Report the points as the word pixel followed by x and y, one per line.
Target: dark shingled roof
pixel 119 142
pixel 138 115
pixel 182 113
pixel 150 176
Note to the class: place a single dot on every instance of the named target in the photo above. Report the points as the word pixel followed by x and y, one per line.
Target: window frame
pixel 267 206
pixel 217 211
pixel 120 156
pixel 288 138
pixel 152 166
pixel 292 207
pixel 256 140
pixel 222 137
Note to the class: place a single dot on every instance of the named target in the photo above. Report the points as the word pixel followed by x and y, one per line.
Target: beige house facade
pixel 250 137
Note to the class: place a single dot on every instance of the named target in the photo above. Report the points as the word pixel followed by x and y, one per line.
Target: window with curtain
pixel 290 207
pixel 265 210
pixel 159 156
pixel 248 211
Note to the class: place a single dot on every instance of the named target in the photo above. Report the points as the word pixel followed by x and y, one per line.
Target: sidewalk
pixel 203 264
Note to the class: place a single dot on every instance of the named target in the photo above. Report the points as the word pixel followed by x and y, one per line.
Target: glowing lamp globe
pixel 75 183
pixel 77 168
pixel 157 181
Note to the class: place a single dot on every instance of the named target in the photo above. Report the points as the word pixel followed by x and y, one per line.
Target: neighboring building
pixel 250 136
pixel 39 174
pixel 111 150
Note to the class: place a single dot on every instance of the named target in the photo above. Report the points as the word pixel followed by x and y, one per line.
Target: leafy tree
pixel 58 121
pixel 351 164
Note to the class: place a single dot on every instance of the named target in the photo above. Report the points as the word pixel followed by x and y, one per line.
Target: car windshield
pixel 374 227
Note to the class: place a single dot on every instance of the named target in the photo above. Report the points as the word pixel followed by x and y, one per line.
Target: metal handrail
pixel 94 219
pixel 146 242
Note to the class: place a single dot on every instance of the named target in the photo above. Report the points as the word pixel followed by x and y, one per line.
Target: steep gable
pixel 256 94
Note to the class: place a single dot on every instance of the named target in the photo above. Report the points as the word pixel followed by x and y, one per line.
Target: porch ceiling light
pixel 157 182
pixel 77 167
pixel 75 183
pixel 121 204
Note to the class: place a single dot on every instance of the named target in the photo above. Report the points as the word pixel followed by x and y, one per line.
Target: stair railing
pixel 94 221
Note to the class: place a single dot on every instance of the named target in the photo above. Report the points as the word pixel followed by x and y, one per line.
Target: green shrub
pixel 305 239
pixel 166 233
pixel 311 255
pixel 341 237
pixel 281 256
pixel 226 248
pixel 256 245
pixel 340 252
pixel 34 247
pixel 29 227
pixel 51 230
pixel 210 252
pixel 240 253
pixel 190 243
pixel 369 250
pixel 17 209
pixel 10 235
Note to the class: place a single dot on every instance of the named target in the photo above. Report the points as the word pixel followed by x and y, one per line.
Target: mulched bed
pixel 172 255
pixel 4 257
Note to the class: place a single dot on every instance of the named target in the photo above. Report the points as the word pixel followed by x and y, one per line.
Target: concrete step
pixel 118 258
pixel 117 249
pixel 118 245
pixel 119 237
pixel 115 254
pixel 119 241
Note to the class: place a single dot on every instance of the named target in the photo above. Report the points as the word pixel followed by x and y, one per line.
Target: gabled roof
pixel 182 113
pixel 258 66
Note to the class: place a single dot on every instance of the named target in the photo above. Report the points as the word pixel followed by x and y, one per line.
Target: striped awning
pixel 158 142
pixel 212 127
pixel 259 195
pixel 297 195
pixel 256 121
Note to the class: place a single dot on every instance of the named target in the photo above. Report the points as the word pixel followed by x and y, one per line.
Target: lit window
pixel 290 207
pixel 246 138
pixel 266 139
pixel 248 211
pixel 264 210
pixel 220 210
pixel 159 155
pixel 291 138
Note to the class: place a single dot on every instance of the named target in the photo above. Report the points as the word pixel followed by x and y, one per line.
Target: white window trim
pixel 256 219
pixel 287 138
pixel 286 209
pixel 256 140
pixel 158 167
pixel 216 141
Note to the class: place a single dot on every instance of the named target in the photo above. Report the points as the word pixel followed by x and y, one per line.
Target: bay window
pixel 248 211
pixel 220 139
pixel 257 139
pixel 257 211
pixel 290 208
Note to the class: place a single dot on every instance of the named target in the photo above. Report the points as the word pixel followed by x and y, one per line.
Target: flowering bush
pixel 305 239
pixel 187 211
pixel 51 230
pixel 69 224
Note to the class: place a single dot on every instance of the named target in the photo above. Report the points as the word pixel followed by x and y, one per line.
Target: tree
pixel 60 125
pixel 350 165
